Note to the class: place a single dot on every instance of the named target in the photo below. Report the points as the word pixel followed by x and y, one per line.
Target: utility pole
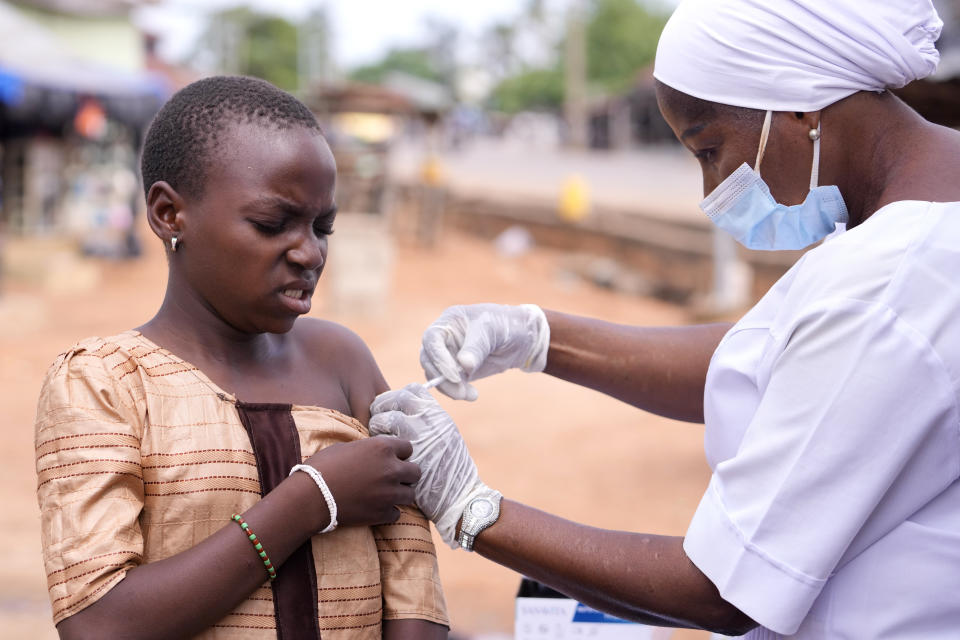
pixel 575 76
pixel 313 49
pixel 227 39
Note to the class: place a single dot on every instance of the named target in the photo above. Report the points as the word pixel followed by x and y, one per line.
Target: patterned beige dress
pixel 140 456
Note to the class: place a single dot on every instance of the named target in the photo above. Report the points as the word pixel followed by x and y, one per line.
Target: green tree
pixel 414 61
pixel 622 39
pixel 251 43
pixel 534 89
pixel 272 51
pixel 435 60
pixel 526 83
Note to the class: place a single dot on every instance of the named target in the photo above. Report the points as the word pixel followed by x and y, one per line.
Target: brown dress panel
pixel 276 447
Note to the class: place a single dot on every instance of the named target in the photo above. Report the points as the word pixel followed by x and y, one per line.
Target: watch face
pixel 481 508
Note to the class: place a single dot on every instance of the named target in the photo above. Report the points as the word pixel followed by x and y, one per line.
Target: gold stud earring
pixel 174 241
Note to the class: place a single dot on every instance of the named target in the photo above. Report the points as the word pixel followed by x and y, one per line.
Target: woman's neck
pixel 885 152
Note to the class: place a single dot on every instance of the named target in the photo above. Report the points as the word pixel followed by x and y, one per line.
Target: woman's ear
pixel 810 119
pixel 165 211
pixel 798 126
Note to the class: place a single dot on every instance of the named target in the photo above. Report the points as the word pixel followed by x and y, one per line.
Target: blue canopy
pixel 33 59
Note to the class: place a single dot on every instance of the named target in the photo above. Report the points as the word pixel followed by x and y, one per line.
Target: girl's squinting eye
pixel 268 228
pixel 323 224
pixel 323 227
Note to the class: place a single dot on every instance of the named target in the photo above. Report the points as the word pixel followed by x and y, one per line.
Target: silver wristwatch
pixel 481 512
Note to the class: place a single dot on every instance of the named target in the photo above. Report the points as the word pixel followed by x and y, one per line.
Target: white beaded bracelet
pixel 324 489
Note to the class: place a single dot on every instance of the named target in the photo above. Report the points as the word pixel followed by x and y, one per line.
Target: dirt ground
pixel 544 442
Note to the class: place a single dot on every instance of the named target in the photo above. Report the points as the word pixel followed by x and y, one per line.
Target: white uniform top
pixel 833 431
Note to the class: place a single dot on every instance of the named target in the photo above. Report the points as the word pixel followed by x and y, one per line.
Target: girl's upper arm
pixel 89 479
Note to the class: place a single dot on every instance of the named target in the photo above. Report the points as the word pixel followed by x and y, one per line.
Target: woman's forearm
pixel 181 595
pixel 413 630
pixel 660 370
pixel 639 577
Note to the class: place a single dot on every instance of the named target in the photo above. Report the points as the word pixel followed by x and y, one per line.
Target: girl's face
pixel 255 242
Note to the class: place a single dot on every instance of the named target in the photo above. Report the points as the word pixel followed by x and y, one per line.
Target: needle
pixel 434 382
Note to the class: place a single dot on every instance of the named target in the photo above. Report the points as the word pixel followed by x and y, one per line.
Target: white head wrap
pixel 795 55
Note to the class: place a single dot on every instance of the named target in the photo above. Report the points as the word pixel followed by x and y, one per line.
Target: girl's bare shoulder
pixel 340 351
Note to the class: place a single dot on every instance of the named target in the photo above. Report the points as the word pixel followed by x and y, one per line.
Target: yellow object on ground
pixel 431 171
pixel 574 199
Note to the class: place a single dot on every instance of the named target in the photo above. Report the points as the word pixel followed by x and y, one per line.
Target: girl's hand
pixel 368 479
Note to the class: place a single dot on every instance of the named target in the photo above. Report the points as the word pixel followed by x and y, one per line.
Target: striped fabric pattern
pixel 140 457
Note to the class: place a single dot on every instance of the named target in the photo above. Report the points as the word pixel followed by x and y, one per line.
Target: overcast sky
pixel 364 29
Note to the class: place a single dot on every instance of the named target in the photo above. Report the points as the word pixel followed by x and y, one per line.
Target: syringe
pixel 434 382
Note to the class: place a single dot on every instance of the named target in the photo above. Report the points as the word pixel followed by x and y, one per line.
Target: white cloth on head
pixel 795 55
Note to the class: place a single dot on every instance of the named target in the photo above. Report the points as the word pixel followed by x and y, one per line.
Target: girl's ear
pixel 165 211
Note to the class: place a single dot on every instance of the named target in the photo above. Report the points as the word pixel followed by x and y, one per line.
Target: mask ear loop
pixel 815 171
pixel 764 134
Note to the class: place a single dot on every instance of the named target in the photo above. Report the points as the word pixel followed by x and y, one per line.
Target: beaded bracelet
pixel 324 489
pixel 271 571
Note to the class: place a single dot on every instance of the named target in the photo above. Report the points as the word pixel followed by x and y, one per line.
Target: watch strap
pixel 470 526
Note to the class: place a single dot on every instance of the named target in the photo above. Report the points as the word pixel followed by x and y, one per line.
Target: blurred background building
pixel 415 125
pixel 75 96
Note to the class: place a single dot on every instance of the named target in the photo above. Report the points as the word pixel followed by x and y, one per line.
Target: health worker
pixel 831 407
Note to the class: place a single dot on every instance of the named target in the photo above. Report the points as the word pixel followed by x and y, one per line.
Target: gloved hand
pixel 448 479
pixel 468 342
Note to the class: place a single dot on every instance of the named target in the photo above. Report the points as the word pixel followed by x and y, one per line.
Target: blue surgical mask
pixel 742 205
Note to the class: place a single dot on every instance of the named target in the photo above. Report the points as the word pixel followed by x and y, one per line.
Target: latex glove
pixel 468 342
pixel 449 478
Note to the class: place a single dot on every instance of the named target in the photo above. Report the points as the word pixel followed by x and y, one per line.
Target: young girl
pixel 209 473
